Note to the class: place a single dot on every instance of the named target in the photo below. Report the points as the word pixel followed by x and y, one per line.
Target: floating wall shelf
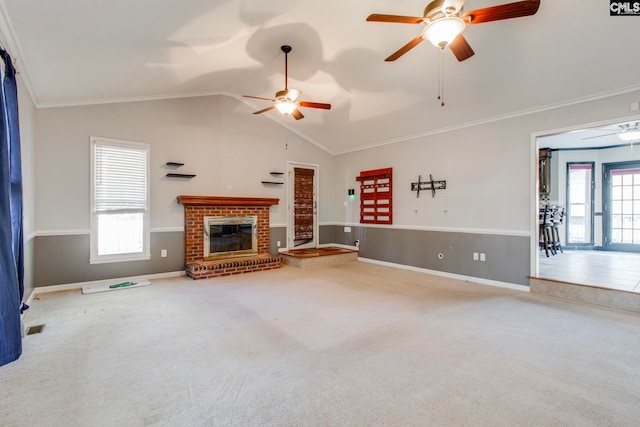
pixel 176 164
pixel 276 173
pixel 180 175
pixel 272 182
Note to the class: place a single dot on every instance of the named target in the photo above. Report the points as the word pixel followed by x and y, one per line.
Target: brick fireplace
pixel 196 208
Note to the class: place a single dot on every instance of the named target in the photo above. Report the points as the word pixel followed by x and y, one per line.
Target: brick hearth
pixel 197 207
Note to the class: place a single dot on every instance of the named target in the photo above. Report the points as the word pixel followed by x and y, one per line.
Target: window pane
pixel 616 221
pixel 120 233
pixel 616 235
pixel 578 210
pixel 616 193
pixel 616 208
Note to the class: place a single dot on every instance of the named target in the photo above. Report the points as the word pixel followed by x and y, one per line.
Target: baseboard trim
pixel 325 245
pixel 80 285
pixel 482 281
pixel 339 245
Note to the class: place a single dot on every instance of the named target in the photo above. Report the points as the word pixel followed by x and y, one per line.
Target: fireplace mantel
pixel 226 201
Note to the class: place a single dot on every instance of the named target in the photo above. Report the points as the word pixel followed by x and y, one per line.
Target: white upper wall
pixel 490 170
pixel 216 137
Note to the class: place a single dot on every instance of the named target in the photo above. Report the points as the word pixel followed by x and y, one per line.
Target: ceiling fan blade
pixel 265 110
pixel 376 17
pixel 297 114
pixel 259 97
pixel 600 136
pixel 460 48
pixel 504 11
pixel 315 105
pixel 404 49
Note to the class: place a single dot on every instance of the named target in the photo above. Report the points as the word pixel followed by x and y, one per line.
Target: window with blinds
pixel 120 201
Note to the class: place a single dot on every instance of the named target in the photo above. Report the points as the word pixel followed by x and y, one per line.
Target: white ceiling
pixel 600 136
pixel 79 52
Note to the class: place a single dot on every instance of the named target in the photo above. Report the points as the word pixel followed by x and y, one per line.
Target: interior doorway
pixel 302 223
pixel 602 225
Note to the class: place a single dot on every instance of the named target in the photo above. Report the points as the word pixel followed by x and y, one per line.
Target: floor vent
pixel 34 329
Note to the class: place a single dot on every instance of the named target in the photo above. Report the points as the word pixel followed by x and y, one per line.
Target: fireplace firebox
pixel 230 236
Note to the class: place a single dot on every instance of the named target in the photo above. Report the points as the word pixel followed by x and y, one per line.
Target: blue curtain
pixel 11 249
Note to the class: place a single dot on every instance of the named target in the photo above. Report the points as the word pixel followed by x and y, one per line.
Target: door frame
pixel 534 147
pixel 314 243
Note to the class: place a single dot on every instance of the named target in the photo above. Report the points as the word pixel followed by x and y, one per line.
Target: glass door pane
pixel 623 206
pixel 579 203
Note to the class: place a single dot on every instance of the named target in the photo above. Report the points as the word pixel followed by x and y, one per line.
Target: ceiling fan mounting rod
pixel 286 49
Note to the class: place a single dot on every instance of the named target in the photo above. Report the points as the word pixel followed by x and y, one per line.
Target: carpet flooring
pixel 351 345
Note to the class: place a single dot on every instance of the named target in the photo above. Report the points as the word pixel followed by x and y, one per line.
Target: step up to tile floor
pixel 319 257
pixel 613 298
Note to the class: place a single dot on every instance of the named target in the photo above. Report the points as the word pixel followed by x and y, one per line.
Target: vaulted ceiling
pixel 73 52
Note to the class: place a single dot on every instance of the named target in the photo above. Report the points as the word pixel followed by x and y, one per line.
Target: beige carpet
pixel 351 345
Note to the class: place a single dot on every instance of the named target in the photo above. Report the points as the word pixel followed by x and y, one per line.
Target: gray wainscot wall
pixel 506 257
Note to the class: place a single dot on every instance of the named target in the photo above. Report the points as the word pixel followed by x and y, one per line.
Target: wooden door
pixel 303 230
pixel 303 206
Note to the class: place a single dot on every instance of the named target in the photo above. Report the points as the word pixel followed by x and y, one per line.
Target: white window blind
pixel 120 178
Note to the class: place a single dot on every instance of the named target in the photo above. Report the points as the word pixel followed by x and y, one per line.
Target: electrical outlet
pixel 475 256
pixel 278 243
pixel 347 229
pixel 163 253
pixel 483 257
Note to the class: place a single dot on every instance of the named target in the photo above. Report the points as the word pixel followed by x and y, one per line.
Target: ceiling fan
pixel 445 21
pixel 629 132
pixel 286 101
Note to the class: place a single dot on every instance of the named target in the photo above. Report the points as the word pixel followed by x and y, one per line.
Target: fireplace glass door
pixel 229 236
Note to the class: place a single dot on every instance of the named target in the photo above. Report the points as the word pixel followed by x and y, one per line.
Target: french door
pixel 621 206
pixel 302 225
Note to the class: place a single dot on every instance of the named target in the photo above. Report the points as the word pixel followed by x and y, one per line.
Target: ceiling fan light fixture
pixel 443 31
pixel 630 135
pixel 286 106
pixel 288 95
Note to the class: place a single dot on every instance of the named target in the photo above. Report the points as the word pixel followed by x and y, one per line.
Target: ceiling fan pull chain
pixel 441 79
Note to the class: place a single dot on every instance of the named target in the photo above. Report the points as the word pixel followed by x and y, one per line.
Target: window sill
pixel 118 258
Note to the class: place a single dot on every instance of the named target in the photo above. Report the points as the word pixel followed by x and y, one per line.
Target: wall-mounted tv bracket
pixel 428 185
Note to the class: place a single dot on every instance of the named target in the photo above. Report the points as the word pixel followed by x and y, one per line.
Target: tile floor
pixel 613 270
